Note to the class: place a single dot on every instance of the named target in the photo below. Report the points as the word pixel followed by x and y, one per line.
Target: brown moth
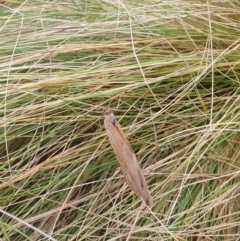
pixel 126 158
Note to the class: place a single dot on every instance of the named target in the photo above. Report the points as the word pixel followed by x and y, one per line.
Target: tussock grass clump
pixel 169 70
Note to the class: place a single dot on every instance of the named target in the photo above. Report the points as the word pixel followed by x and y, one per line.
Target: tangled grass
pixel 169 69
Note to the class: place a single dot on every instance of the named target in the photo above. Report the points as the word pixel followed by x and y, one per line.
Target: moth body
pixel 126 158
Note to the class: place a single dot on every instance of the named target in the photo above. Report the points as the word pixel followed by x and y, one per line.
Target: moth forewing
pixel 126 158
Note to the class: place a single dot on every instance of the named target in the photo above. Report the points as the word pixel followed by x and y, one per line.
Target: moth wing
pixel 133 174
pixel 123 135
pixel 129 165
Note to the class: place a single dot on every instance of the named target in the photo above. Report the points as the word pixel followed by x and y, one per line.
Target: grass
pixel 169 70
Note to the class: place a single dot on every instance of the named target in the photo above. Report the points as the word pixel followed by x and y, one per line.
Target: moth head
pixel 109 117
pixel 108 112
